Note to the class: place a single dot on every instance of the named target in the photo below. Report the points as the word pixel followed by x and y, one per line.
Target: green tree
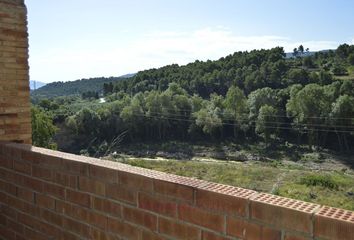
pixel 209 120
pixel 258 98
pixel 301 49
pixel 339 70
pixel 236 107
pixel 351 59
pixel 43 129
pixel 310 108
pixel 342 114
pixel 266 122
pixel 347 87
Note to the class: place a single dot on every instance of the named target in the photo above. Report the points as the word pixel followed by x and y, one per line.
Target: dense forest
pixel 256 96
pixel 77 87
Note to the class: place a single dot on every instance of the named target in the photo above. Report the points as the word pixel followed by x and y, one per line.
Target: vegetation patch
pixel 320 180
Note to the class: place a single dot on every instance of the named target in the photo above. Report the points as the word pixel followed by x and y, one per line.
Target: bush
pixel 325 181
pixel 339 70
pixel 351 59
pixel 312 157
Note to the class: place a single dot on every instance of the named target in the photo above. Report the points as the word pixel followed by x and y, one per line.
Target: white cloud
pixel 152 50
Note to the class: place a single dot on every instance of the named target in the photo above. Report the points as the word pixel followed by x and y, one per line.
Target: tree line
pixel 247 96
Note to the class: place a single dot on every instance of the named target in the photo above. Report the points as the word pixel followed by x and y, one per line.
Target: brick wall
pixel 46 194
pixel 15 119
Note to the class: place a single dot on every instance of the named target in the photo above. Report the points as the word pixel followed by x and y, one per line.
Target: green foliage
pixel 233 98
pixel 339 70
pixel 43 129
pixel 351 59
pixel 325 181
pixel 266 122
pixel 77 87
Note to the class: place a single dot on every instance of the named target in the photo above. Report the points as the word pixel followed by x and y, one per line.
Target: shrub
pixel 325 181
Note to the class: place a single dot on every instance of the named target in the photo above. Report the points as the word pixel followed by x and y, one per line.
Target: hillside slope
pixel 77 87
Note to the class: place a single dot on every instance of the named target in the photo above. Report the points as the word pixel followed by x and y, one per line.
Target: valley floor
pixel 316 177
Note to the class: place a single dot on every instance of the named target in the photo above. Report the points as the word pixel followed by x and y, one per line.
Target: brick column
pixel 15 115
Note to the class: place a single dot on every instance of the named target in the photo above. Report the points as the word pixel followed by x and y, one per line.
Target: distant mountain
pixel 129 75
pixel 36 84
pixel 305 54
pixel 77 87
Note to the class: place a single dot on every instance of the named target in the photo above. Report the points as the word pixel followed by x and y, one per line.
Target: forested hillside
pixel 257 96
pixel 77 87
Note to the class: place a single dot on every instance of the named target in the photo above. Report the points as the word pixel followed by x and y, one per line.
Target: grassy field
pixel 334 188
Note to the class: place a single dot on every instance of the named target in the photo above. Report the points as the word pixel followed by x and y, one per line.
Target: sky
pixel 75 39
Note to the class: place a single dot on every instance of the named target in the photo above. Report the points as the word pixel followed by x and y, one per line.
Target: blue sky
pixel 73 39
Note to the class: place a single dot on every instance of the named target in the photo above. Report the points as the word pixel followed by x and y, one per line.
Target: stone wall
pixel 15 117
pixel 46 194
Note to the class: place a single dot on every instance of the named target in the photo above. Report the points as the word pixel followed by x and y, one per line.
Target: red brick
pixel 147 235
pixel 158 205
pixel 7 233
pixel 2 220
pixel 202 218
pixel 31 209
pixel 75 168
pixel 7 211
pixel 76 227
pixel 32 183
pixel 104 174
pixel 44 201
pixel 28 221
pixel 247 230
pixel 14 202
pixel 212 236
pixel 97 220
pixel 12 177
pixel 19 237
pixel 178 191
pixel 97 234
pixel 62 207
pixel 135 181
pixel 52 217
pixel 6 162
pixel 66 180
pixel 73 211
pixel 23 167
pixel 54 190
pixel 123 229
pixel 69 236
pixel 118 192
pixel 178 230
pixel 221 202
pixel 25 194
pixel 82 199
pixel 140 217
pixel 33 235
pixel 50 231
pixel 243 229
pixel 283 213
pixel 106 206
pixel 270 234
pixel 289 236
pixel 92 186
pixel 15 226
pixel 333 223
pixel 46 160
pixel 42 173
pixel 8 188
